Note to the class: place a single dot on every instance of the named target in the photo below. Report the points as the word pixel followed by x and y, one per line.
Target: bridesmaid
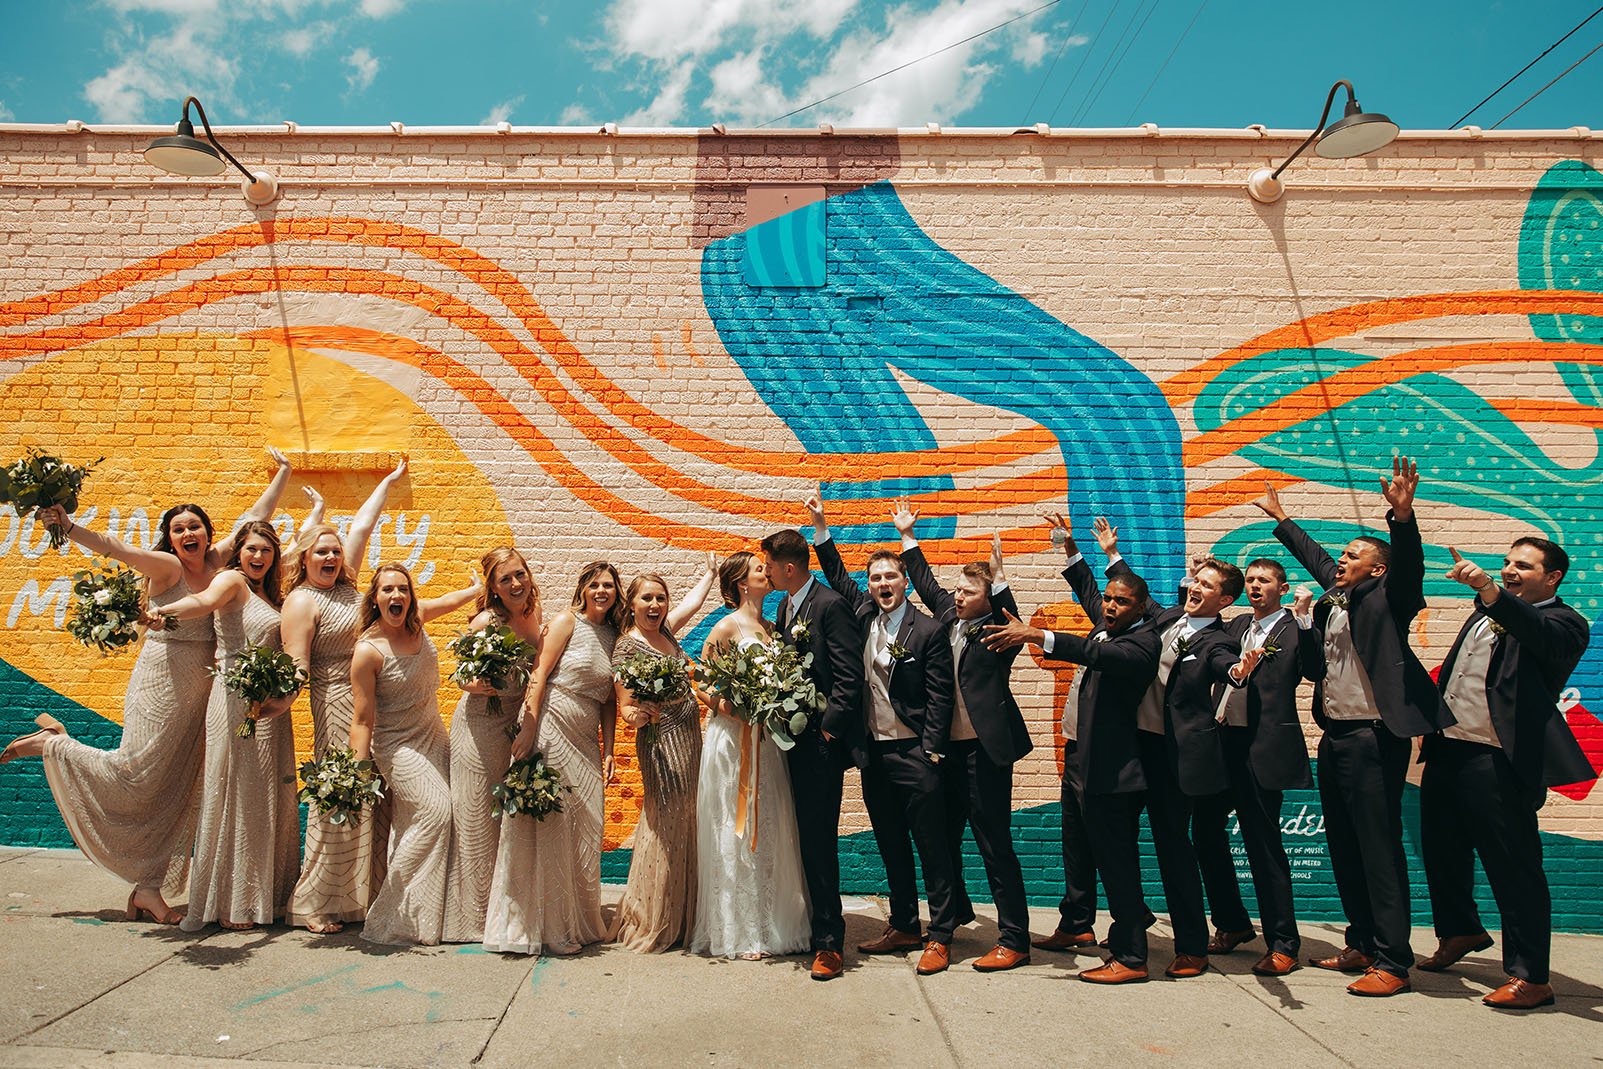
pixel 342 864
pixel 247 840
pixel 659 903
pixel 395 720
pixel 545 895
pixel 131 810
pixel 481 745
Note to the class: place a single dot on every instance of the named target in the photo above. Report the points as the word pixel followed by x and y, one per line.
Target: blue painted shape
pixel 1561 248
pixel 296 987
pixel 824 359
pixel 787 251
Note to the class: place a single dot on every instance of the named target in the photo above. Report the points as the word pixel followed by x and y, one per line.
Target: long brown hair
pixel 615 615
pixel 730 575
pixel 634 588
pixel 370 613
pixel 303 546
pixel 489 599
pixel 272 588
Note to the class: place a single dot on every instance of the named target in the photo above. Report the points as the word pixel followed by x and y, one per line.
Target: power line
pixel 1109 58
pixel 1525 68
pixel 909 63
pixel 1068 36
pixel 1096 40
pixel 1186 32
pixel 1546 87
pixel 1085 109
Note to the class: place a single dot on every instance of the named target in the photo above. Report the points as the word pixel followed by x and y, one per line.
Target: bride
pixel 752 897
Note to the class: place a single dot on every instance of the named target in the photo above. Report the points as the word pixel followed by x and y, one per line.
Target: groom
pixel 816 620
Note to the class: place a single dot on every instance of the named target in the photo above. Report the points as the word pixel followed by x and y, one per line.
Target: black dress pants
pixel 1077 910
pixel 980 794
pixel 906 800
pixel 816 767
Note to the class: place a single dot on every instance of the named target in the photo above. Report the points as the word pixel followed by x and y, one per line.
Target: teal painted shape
pixel 1561 248
pixel 787 251
pixel 31 817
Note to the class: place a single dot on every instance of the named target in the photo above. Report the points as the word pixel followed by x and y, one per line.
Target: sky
pixel 745 63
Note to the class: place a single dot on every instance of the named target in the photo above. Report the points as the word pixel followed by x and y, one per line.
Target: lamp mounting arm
pixel 229 156
pixel 1329 99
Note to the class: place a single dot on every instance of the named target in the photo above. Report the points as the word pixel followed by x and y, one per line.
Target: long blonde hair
pixel 304 541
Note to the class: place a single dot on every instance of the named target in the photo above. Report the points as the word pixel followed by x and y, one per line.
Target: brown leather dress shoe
pixel 1185 966
pixel 1001 958
pixel 1115 972
pixel 1061 940
pixel 1224 942
pixel 826 965
pixel 1276 964
pixel 890 941
pixel 934 959
pixel 1451 951
pixel 1378 983
pixel 1349 960
pixel 1520 994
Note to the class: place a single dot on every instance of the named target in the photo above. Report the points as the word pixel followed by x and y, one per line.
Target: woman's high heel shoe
pixel 48 725
pixel 139 913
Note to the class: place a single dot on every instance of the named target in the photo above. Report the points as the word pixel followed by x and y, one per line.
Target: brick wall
pixel 593 346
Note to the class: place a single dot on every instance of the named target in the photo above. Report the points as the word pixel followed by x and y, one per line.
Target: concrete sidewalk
pixel 81 986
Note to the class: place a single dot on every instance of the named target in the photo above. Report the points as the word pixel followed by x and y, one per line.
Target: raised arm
pixel 829 560
pixel 315 515
pixel 1309 554
pixel 367 518
pixel 1405 576
pixel 938 600
pixel 1554 639
pixel 1076 570
pixel 689 606
pixel 556 641
pixel 223 548
pixel 429 608
pixel 162 568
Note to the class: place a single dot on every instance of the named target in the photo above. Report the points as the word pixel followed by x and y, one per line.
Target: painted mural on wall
pixel 842 300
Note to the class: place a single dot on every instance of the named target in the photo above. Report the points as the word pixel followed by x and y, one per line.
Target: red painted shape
pixel 1588 731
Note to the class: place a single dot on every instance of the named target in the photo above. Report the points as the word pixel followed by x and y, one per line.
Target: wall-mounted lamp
pixel 1356 133
pixel 184 153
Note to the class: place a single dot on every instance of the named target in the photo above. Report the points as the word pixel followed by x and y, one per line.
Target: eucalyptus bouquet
pixel 530 786
pixel 652 677
pixel 107 606
pixel 494 654
pixel 40 480
pixel 261 673
pixel 768 686
pixel 340 785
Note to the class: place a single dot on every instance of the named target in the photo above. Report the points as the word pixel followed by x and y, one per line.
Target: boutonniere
pixel 799 632
pixel 1336 599
pixel 897 651
pixel 1269 649
pixel 971 632
pixel 1182 644
pixel 1497 628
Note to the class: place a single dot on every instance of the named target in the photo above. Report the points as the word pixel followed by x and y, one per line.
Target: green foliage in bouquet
pixel 40 480
pixel 260 674
pixel 107 606
pixel 339 785
pixel 767 685
pixel 652 677
pixel 530 786
pixel 495 655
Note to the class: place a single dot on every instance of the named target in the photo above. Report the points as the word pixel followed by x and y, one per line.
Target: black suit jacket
pixel 981 673
pixel 1118 671
pixel 1193 738
pixel 922 684
pixel 1531 662
pixel 1276 751
pixel 1379 611
pixel 836 643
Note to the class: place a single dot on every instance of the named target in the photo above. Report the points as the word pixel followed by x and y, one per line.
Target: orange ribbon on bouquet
pixel 746 795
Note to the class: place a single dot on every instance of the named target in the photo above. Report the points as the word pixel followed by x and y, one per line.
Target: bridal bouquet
pixel 494 654
pixel 530 786
pixel 340 785
pixel 260 674
pixel 107 607
pixel 768 686
pixel 40 480
pixel 651 677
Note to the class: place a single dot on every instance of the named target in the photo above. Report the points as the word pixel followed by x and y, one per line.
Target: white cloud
pixel 364 68
pixel 576 115
pixel 301 40
pixel 502 111
pixel 5 112
pixel 1030 48
pixel 666 30
pixel 378 9
pixel 669 103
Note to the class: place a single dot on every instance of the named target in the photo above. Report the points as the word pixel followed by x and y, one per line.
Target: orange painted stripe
pixel 1232 492
pixel 1568 413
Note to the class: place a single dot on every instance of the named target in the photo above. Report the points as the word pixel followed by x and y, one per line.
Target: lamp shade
pixel 184 153
pixel 1355 134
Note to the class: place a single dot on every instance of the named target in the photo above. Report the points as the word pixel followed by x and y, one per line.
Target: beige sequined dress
pixel 481 750
pixel 659 903
pixel 545 895
pixel 131 810
pixel 248 837
pixel 411 750
pixel 343 864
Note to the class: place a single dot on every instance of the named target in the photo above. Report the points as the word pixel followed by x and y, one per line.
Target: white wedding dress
pixel 751 896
